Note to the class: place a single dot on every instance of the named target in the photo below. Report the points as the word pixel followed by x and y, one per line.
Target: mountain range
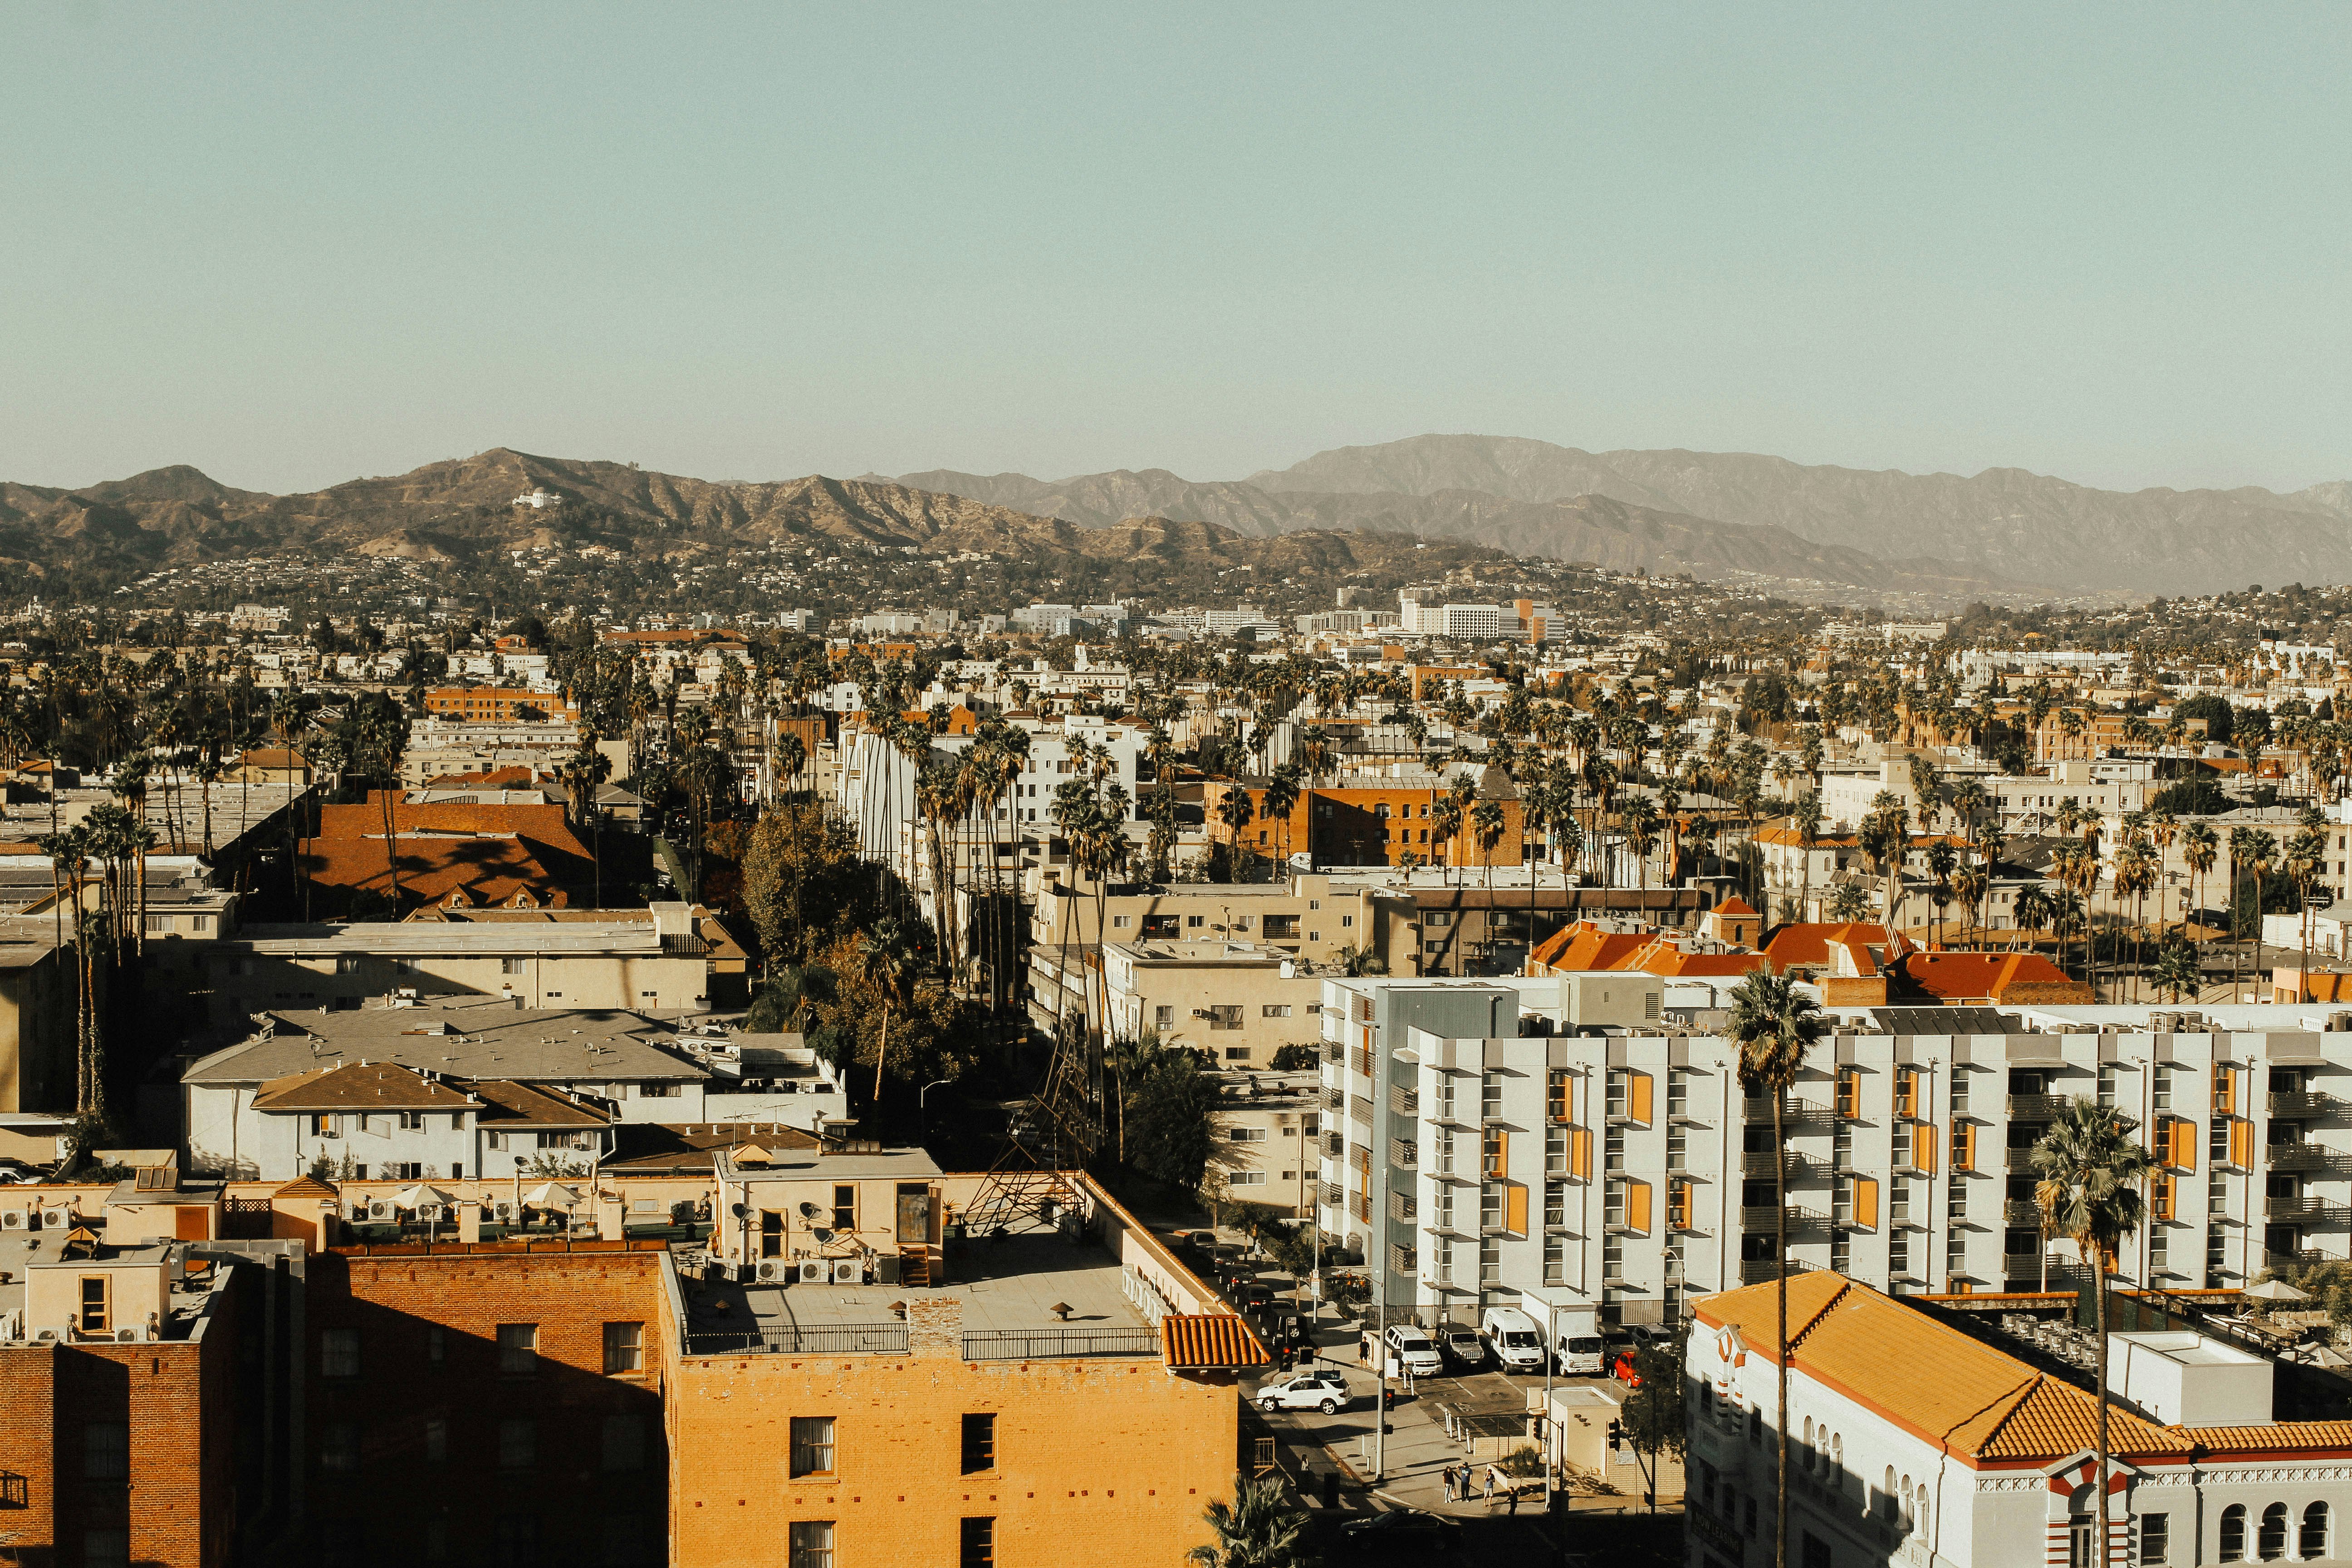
pixel 2003 530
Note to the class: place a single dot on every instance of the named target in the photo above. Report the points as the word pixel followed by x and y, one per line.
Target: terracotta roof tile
pixel 1209 1340
pixel 2300 1436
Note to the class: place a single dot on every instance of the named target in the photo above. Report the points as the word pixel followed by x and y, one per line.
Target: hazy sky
pixel 291 245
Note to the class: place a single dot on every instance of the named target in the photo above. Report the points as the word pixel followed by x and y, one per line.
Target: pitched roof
pixel 1207 1339
pixel 307 1187
pixel 373 1086
pixel 1733 905
pixel 511 1104
pixel 1927 1378
pixel 1585 946
pixel 1810 945
pixel 1945 975
pixel 2299 1436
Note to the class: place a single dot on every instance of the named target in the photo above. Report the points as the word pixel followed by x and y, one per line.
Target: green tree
pixel 1775 1024
pixel 2090 1168
pixel 1653 1412
pixel 1167 1123
pixel 1255 1530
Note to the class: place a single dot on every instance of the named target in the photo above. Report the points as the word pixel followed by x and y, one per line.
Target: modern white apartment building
pixel 1523 1141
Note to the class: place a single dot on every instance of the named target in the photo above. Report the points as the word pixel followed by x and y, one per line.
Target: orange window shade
pixel 1637 1096
pixel 2242 1145
pixel 1923 1146
pixel 1515 1208
pixel 2160 1196
pixel 1497 1151
pixel 1964 1146
pixel 1579 1154
pixel 2184 1145
pixel 1637 1206
pixel 1865 1202
pixel 2225 1091
pixel 1906 1091
pixel 1849 1094
pixel 1563 1095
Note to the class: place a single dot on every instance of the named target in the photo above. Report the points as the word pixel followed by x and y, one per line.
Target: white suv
pixel 1416 1350
pixel 1323 1390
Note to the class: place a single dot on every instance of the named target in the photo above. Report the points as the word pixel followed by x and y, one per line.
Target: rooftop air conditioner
pixel 811 1272
pixel 379 1209
pixel 49 1336
pixel 12 1219
pixel 847 1272
pixel 129 1335
pixel 772 1271
pixel 504 1213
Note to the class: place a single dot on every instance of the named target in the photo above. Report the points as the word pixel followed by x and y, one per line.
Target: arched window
pixel 1887 1494
pixel 2270 1542
pixel 2315 1531
pixel 1919 1508
pixel 2234 1532
pixel 1904 1493
pixel 1837 1456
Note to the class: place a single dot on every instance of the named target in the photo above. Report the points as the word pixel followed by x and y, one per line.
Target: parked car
pixel 1460 1343
pixel 1514 1338
pixel 1621 1369
pixel 1255 1294
pixel 1323 1390
pixel 1415 1349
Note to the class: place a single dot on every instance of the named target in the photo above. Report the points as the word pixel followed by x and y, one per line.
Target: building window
pixel 339 1447
pixel 1490 1097
pixel 97 1313
pixel 811 1446
pixel 979 1443
pixel 625 1348
pixel 339 1353
pixel 2270 1543
pixel 2155 1530
pixel 845 1207
pixel 105 1451
pixel 1490 1263
pixel 978 1548
pixel 812 1543
pixel 2315 1532
pixel 518 1443
pixel 1163 1017
pixel 624 1443
pixel 1817 1552
pixel 518 1349
pixel 1247 1135
pixel 2234 1532
pixel 412 1121
pixel 436 1344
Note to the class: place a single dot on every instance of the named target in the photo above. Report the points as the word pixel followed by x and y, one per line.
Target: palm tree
pixel 1236 811
pixel 1942 861
pixel 1971 882
pixel 1775 1025
pixel 1445 824
pixel 2091 1169
pixel 1807 820
pixel 1487 824
pixel 2254 851
pixel 1254 1531
pixel 2178 972
pixel 1281 800
pixel 1638 821
pixel 2032 910
pixel 2200 847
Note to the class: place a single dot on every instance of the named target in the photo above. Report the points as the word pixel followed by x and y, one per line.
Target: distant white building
pixel 539 499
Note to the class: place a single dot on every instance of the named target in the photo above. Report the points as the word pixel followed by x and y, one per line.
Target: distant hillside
pixel 1620 536
pixel 2002 522
pixel 463 507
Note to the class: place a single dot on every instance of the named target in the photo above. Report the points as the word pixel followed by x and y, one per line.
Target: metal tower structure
pixel 1032 1179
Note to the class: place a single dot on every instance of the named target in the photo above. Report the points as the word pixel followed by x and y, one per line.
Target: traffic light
pixel 1616 1434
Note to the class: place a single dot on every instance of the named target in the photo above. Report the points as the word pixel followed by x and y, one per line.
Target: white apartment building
pixel 1915 1442
pixel 1515 1141
pixel 1262 1135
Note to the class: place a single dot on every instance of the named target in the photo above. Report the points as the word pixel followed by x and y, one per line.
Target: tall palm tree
pixel 2032 910
pixel 1775 1025
pixel 2200 847
pixel 2252 850
pixel 1281 799
pixel 1255 1530
pixel 1807 820
pixel 2091 1168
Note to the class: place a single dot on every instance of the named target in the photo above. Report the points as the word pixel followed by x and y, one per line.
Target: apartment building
pixel 1240 1002
pixel 1917 1442
pixel 1306 916
pixel 1262 1139
pixel 498 705
pixel 379 1120
pixel 1496 1146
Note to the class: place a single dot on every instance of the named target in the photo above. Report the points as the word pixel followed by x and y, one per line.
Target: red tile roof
pixel 1733 905
pixel 1809 945
pixel 1950 976
pixel 1209 1340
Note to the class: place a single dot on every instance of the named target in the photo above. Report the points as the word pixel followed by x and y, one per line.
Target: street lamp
pixel 923 1105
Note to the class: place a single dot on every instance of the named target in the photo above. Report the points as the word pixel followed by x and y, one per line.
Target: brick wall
pixel 437 1471
pixel 1098 1461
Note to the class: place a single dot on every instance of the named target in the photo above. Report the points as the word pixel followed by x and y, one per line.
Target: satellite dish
pixel 822 1236
pixel 737 1210
pixel 808 1211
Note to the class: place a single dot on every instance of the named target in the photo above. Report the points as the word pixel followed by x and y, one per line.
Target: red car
pixel 1623 1370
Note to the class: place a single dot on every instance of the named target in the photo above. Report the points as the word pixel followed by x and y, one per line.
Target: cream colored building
pixel 1308 916
pixel 1263 1134
pixel 1238 1001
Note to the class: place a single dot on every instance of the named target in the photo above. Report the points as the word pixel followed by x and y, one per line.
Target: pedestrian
pixel 1513 1506
pixel 1489 1497
pixel 1451 1482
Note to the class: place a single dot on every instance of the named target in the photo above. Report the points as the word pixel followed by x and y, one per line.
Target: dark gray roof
pixel 1947 1021
pixel 479 1040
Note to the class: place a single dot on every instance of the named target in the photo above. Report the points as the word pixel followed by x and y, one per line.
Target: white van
pixel 1514 1338
pixel 1578 1353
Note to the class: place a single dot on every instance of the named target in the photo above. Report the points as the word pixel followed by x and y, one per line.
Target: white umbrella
pixel 2277 1291
pixel 419 1195
pixel 550 1194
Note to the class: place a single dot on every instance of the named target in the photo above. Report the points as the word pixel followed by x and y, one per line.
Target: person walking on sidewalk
pixel 1489 1495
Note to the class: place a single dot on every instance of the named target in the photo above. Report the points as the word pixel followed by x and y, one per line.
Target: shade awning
pixel 551 1194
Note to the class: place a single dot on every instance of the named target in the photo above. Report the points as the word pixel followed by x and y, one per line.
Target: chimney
pixel 935 1327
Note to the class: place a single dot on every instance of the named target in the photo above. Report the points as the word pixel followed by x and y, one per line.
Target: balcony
pixel 1334 1146
pixel 1404 1260
pixel 1403 1207
pixel 1335 1099
pixel 1360 1110
pixel 1334 1052
pixel 1332 1194
pixel 1405 1101
pixel 2021 1211
pixel 2017 1157
pixel 2301 1258
pixel 2311 1211
pixel 1404 1152
pixel 1764 1217
pixel 2298 1156
pixel 1759 1162
pixel 2302 1104
pixel 2036 1106
pixel 1764 1270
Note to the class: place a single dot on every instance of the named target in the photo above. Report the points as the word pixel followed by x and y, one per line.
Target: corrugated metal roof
pixel 1209 1340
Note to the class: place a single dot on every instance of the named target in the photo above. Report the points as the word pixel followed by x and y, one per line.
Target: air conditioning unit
pixel 813 1272
pixel 12 1219
pixel 49 1336
pixel 772 1270
pixel 504 1213
pixel 428 1212
pixel 847 1272
pixel 379 1209
pixel 129 1335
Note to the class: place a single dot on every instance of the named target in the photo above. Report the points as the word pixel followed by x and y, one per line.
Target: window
pixel 2234 1532
pixel 339 1353
pixel 1247 1135
pixel 1817 1552
pixel 105 1451
pixel 2155 1530
pixel 510 966
pixel 811 1543
pixel 97 1316
pixel 1273 1010
pixel 1490 1097
pixel 2270 1543
pixel 437 1345
pixel 436 1440
pixel 1245 1178
pixel 811 1446
pixel 624 1443
pixel 2315 1532
pixel 339 1447
pixel 518 1443
pixel 845 1207
pixel 979 1443
pixel 518 1349
pixel 2107 1085
pixel 978 1548
pixel 1163 1017
pixel 412 1121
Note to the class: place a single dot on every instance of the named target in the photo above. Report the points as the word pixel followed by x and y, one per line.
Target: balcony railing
pixel 1405 1101
pixel 2017 1157
pixel 1404 1152
pixel 2300 1258
pixel 2021 1211
pixel 1053 1344
pixel 2297 1157
pixel 1404 1260
pixel 2305 1104
pixel 830 1339
pixel 1334 1144
pixel 1335 1051
pixel 1758 1162
pixel 1762 1270
pixel 1359 1110
pixel 1333 1194
pixel 1401 1207
pixel 1764 1217
pixel 2036 1105
pixel 2311 1211
pixel 1335 1099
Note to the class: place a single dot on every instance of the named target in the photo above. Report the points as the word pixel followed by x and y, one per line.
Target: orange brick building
pixel 1383 824
pixel 497 704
